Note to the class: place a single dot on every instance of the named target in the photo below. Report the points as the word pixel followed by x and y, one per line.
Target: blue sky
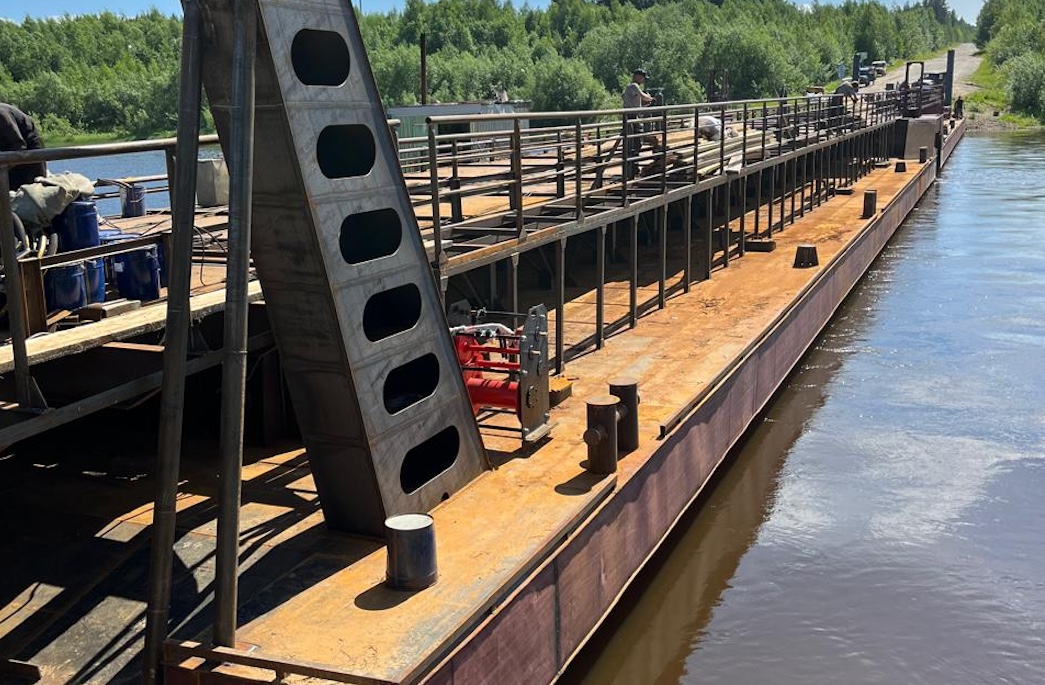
pixel 966 8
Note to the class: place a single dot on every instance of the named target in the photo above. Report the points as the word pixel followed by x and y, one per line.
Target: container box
pixel 212 182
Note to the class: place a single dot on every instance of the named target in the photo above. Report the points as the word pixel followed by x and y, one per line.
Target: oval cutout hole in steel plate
pixel 345 150
pixel 320 58
pixel 429 459
pixel 370 235
pixel 410 383
pixel 391 311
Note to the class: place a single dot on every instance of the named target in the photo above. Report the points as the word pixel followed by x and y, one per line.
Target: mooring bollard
pixel 805 257
pixel 870 204
pixel 923 155
pixel 601 435
pixel 627 391
pixel 411 552
pixel 901 167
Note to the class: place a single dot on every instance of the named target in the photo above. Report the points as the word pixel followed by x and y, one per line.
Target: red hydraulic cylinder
pixel 493 392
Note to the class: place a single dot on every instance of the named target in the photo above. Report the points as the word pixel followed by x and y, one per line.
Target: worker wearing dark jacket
pixel 18 132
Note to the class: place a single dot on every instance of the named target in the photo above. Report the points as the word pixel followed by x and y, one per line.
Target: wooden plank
pixel 144 320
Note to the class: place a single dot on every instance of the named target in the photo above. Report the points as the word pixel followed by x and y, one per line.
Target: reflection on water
pixel 883 523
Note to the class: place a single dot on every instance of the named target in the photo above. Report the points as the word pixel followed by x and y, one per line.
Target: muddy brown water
pixel 884 522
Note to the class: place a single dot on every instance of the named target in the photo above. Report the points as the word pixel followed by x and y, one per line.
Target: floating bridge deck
pixel 653 250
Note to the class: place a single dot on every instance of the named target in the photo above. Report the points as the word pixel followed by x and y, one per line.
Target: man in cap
pixel 845 91
pixel 634 97
pixel 18 132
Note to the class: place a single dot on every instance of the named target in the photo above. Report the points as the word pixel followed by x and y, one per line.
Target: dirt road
pixel 966 62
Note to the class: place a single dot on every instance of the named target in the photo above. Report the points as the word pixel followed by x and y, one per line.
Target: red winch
pixel 506 370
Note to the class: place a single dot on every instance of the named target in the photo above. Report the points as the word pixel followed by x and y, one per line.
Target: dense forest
pixel 1012 33
pixel 108 73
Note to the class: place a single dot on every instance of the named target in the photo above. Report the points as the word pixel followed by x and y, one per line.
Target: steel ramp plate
pixel 353 303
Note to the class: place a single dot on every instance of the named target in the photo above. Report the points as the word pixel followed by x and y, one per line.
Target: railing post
pixel 560 167
pixel 696 143
pixel 664 151
pixel 26 392
pixel 722 142
pixel 578 193
pixel 625 155
pixel 517 184
pixel 433 175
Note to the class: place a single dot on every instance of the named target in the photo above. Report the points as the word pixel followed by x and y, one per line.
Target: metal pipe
pixel 424 70
pixel 176 344
pixel 234 373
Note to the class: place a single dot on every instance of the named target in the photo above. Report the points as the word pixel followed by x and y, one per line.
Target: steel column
pixel 176 343
pixel 234 373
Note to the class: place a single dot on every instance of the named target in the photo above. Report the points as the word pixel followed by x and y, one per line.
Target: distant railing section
pixel 578 156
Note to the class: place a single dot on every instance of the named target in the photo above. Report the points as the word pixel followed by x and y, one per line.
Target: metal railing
pixel 586 156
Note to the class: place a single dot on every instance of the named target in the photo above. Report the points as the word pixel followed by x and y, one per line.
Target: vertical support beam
pixel 727 218
pixel 600 288
pixel 513 280
pixel 172 402
pixel 662 216
pixel 633 276
pixel 560 305
pixel 742 184
pixel 687 240
pixel 758 204
pixel 234 373
pixel 948 80
pixel 709 232
pixel 772 200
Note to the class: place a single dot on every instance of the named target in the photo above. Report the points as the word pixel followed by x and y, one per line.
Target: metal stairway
pixel 351 297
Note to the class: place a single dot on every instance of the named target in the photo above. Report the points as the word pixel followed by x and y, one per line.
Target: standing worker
pixel 845 91
pixel 634 97
pixel 959 108
pixel 18 132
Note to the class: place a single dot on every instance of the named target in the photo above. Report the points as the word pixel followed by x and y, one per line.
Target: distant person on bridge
pixel 845 91
pixel 959 108
pixel 18 132
pixel 634 97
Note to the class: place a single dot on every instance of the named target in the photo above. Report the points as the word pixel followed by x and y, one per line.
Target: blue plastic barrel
pixel 94 280
pixel 106 236
pixel 77 226
pixel 132 201
pixel 65 288
pixel 138 274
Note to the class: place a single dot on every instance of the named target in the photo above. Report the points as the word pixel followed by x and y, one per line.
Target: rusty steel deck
pixel 535 553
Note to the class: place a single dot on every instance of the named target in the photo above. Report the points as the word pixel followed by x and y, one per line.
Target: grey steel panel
pixel 316 299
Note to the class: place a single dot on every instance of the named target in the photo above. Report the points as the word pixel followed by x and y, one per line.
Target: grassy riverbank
pixel 987 108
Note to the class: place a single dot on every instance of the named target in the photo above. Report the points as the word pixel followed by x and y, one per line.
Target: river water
pixel 884 521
